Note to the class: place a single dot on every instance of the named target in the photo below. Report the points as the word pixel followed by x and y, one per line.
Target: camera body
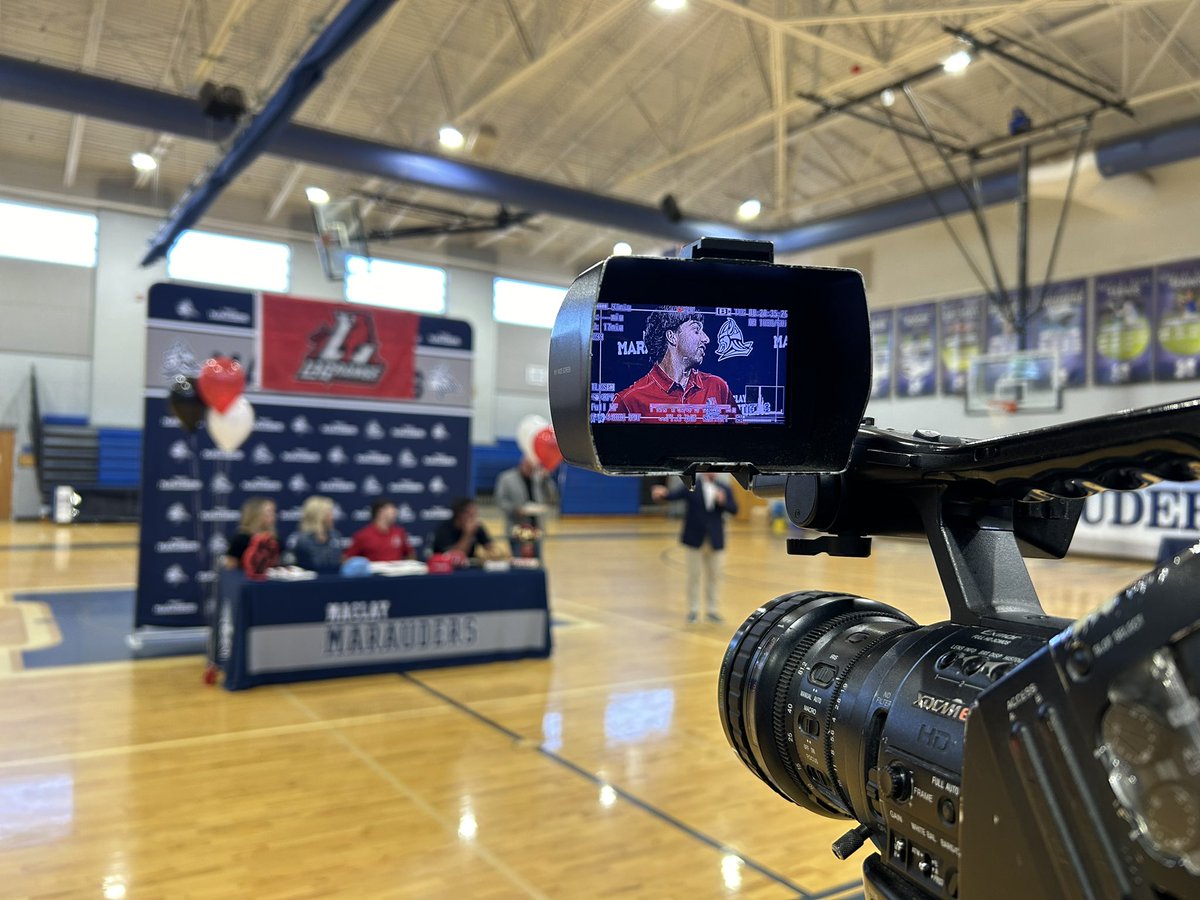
pixel 1003 752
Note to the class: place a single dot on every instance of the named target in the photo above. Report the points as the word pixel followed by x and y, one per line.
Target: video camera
pixel 1003 753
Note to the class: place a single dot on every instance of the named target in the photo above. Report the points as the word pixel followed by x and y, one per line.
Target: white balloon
pixel 230 429
pixel 527 431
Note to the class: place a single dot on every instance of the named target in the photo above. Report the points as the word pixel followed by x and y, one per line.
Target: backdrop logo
pixel 298 484
pixel 345 351
pixel 179 483
pixel 337 486
pixel 444 460
pixel 373 458
pixel 177 545
pixel 340 429
pixel 436 514
pixel 730 341
pixel 262 484
pixel 221 484
pixel 405 486
pixel 267 424
pixel 177 513
pixel 374 431
pixel 217 545
pixel 175 575
pixel 179 451
pixel 300 425
pixel 371 486
pixel 262 455
pixel 406 459
pixel 408 432
pixel 440 432
pixel 337 456
pixel 301 455
pixel 405 513
pixel 186 309
pixel 441 382
pixel 180 360
pixel 437 485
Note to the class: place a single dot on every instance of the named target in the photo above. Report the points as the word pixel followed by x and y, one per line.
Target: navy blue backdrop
pixel 352 450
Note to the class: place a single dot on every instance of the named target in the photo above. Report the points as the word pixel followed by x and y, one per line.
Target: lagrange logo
pixel 215 453
pixel 301 455
pixel 346 351
pixel 177 545
pixel 405 486
pixel 175 608
pixel 947 709
pixel 220 515
pixel 408 432
pixel 179 483
pixel 337 486
pixel 269 485
pixel 443 460
pixel 436 514
pixel 339 429
pixel 373 458
pixel 270 426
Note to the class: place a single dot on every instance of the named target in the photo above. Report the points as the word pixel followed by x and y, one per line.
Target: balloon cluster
pixel 535 438
pixel 215 395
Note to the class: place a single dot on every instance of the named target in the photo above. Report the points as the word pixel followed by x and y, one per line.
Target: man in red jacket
pixel 382 540
pixel 675 390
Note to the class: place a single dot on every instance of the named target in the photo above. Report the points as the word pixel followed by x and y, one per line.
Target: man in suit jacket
pixel 703 539
pixel 525 494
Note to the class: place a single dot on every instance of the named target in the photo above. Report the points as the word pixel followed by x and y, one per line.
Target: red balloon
pixel 221 381
pixel 545 448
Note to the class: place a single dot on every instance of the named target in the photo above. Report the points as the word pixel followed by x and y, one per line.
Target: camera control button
pixel 857 637
pixel 972 664
pixel 896 782
pixel 947 811
pixel 822 674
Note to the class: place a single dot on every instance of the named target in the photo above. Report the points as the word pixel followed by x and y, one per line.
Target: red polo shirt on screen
pixel 380 546
pixel 648 396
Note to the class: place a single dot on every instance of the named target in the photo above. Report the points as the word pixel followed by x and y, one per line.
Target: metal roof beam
pixel 90 49
pixel 356 17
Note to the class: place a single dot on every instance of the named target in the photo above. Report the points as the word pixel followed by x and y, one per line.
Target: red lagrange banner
pixel 315 347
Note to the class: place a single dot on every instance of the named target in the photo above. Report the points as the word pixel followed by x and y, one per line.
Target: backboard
pixel 340 233
pixel 1025 381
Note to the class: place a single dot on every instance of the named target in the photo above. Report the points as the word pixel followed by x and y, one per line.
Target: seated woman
pixel 318 546
pixel 258 521
pixel 465 534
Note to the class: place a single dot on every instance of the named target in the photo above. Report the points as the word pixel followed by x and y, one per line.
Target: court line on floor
pixel 644 805
pixel 416 799
pixel 69 547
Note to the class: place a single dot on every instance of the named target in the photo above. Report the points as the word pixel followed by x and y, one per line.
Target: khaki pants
pixel 708 561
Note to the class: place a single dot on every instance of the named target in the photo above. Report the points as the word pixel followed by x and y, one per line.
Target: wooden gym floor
pixel 600 772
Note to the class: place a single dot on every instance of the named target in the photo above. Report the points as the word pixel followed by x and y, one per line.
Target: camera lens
pixel 796 694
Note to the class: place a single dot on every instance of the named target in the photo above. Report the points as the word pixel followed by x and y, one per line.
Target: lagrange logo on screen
pixel 346 350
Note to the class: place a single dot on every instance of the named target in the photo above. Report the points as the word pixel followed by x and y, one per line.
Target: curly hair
pixel 659 323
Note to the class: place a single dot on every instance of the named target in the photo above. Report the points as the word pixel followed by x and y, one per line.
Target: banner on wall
pixel 1132 524
pixel 961 331
pixel 1122 352
pixel 881 354
pixel 916 350
pixel 353 449
pixel 1061 324
pixel 1177 301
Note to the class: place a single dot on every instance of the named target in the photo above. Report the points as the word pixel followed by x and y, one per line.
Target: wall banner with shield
pixel 882 348
pixel 961 338
pixel 1123 351
pixel 916 350
pixel 1177 299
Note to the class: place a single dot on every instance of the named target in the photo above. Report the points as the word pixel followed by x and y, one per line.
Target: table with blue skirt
pixel 272 632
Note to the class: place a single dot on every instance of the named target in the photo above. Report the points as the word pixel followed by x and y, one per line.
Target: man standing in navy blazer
pixel 703 539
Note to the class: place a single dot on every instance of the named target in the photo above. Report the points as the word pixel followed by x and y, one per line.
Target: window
pixel 234 261
pixel 525 303
pixel 48 235
pixel 385 282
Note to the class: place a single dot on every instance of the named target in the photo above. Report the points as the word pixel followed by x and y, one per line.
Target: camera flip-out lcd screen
pixel 688 365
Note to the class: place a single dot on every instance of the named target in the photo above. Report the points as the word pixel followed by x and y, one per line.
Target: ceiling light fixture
pixel 621 248
pixel 317 195
pixel 956 62
pixel 670 5
pixel 749 210
pixel 887 97
pixel 451 138
pixel 143 162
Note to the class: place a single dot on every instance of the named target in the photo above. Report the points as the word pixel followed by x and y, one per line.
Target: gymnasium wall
pixel 1148 220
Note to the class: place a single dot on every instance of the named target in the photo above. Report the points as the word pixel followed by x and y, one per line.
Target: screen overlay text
pixel 688 365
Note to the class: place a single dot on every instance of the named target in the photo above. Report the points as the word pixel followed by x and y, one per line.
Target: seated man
pixel 382 540
pixel 465 534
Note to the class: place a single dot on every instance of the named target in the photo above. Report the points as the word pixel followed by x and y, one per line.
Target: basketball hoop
pixel 1002 406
